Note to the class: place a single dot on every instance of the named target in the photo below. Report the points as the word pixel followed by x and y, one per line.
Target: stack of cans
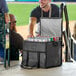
pixel 43 39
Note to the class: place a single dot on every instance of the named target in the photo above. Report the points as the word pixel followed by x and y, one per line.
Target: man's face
pixel 13 21
pixel 43 3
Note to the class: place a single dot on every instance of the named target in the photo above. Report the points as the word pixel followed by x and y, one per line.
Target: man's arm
pixel 33 21
pixel 7 19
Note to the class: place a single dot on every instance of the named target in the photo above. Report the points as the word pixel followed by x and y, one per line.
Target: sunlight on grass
pixel 22 12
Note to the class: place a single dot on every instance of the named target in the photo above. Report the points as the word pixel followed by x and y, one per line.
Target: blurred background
pixel 51 0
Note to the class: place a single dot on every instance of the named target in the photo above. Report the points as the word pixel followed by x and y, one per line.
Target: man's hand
pixel 30 36
pixel 32 23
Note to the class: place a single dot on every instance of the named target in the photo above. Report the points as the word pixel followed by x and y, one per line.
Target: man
pixel 16 40
pixel 4 9
pixel 13 22
pixel 45 7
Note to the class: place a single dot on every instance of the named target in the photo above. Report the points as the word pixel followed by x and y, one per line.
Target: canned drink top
pixel 51 39
pixel 54 39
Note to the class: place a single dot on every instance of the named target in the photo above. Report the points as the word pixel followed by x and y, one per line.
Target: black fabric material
pixel 37 12
pixel 16 40
pixel 16 43
pixel 75 51
pixel 14 54
pixel 0 11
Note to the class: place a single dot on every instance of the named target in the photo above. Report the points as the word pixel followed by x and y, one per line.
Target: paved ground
pixel 16 70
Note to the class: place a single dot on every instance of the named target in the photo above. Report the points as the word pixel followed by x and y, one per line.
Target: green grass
pixel 71 11
pixel 22 12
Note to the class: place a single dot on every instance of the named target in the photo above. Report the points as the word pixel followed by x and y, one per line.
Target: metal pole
pixel 68 52
pixel 72 48
pixel 4 45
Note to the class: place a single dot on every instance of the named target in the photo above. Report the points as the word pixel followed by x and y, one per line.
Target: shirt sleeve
pixel 33 13
pixel 4 6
